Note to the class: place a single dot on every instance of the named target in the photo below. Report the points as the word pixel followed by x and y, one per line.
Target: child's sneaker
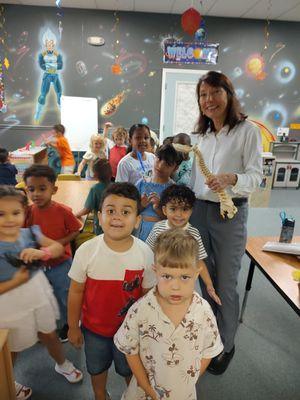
pixel 67 369
pixel 22 392
pixel 63 333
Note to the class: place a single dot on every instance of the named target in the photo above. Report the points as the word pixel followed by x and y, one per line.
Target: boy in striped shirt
pixel 177 203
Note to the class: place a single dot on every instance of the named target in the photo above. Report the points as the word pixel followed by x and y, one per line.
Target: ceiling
pixel 284 10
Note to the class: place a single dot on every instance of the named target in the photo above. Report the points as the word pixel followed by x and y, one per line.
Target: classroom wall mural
pixel 117 57
pixel 51 63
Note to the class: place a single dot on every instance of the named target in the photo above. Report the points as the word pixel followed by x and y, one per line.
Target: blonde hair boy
pixel 170 335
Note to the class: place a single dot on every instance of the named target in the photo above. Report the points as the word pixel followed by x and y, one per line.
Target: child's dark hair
pixel 179 194
pixel 59 128
pixel 10 191
pixel 134 127
pixel 3 155
pixel 167 153
pixel 185 139
pixel 168 140
pixel 24 194
pixel 122 189
pixel 182 138
pixel 102 170
pixel 40 171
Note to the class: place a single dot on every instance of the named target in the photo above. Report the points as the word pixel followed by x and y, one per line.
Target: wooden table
pixel 276 267
pixel 7 385
pixel 73 193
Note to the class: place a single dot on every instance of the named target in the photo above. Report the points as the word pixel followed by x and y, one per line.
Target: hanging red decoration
pixel 116 69
pixel 190 21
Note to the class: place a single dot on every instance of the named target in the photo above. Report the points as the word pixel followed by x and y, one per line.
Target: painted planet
pixel 200 35
pixel 255 65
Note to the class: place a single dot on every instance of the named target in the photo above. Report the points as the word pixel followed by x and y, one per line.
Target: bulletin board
pixel 79 115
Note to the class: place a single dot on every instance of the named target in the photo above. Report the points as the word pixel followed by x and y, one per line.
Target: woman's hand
pixel 219 182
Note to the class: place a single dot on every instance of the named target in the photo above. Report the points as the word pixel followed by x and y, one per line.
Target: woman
pixel 231 147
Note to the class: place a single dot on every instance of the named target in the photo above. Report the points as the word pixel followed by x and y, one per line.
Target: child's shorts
pixel 100 352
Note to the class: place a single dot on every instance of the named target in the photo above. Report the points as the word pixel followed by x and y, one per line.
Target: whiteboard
pixel 79 115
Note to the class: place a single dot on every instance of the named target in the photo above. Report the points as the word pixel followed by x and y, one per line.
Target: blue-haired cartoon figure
pixel 51 62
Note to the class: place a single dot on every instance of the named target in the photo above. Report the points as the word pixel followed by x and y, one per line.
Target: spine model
pixel 227 208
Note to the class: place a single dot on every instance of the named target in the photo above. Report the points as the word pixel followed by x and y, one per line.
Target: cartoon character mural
pixel 51 62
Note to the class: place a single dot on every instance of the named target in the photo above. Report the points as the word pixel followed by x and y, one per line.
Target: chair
pixel 68 177
pixel 20 185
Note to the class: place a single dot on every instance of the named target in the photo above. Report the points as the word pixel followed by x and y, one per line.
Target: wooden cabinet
pixel 287 174
pixel 7 385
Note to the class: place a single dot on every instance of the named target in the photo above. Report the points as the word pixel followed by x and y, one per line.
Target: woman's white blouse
pixel 237 152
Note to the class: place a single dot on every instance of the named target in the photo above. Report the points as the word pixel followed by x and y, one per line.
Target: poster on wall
pixel 190 53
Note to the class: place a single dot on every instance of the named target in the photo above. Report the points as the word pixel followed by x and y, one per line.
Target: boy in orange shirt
pixel 61 144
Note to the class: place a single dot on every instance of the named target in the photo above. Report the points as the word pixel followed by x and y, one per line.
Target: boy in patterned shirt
pixel 170 335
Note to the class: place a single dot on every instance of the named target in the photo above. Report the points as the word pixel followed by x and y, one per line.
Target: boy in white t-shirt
pixel 170 335
pixel 109 273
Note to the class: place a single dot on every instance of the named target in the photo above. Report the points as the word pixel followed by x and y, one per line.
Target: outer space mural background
pixel 266 81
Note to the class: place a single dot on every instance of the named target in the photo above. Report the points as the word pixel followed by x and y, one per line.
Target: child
pixel 97 150
pixel 27 305
pixel 102 172
pixel 109 143
pixel 177 203
pixel 58 223
pixel 171 334
pixel 61 144
pixel 166 162
pixel 119 150
pixel 138 163
pixel 184 171
pixel 109 273
pixel 8 171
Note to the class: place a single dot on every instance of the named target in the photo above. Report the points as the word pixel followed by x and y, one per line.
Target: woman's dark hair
pixel 122 189
pixel 40 171
pixel 59 128
pixel 102 170
pixel 167 153
pixel 178 194
pixel 234 114
pixel 10 191
pixel 3 155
